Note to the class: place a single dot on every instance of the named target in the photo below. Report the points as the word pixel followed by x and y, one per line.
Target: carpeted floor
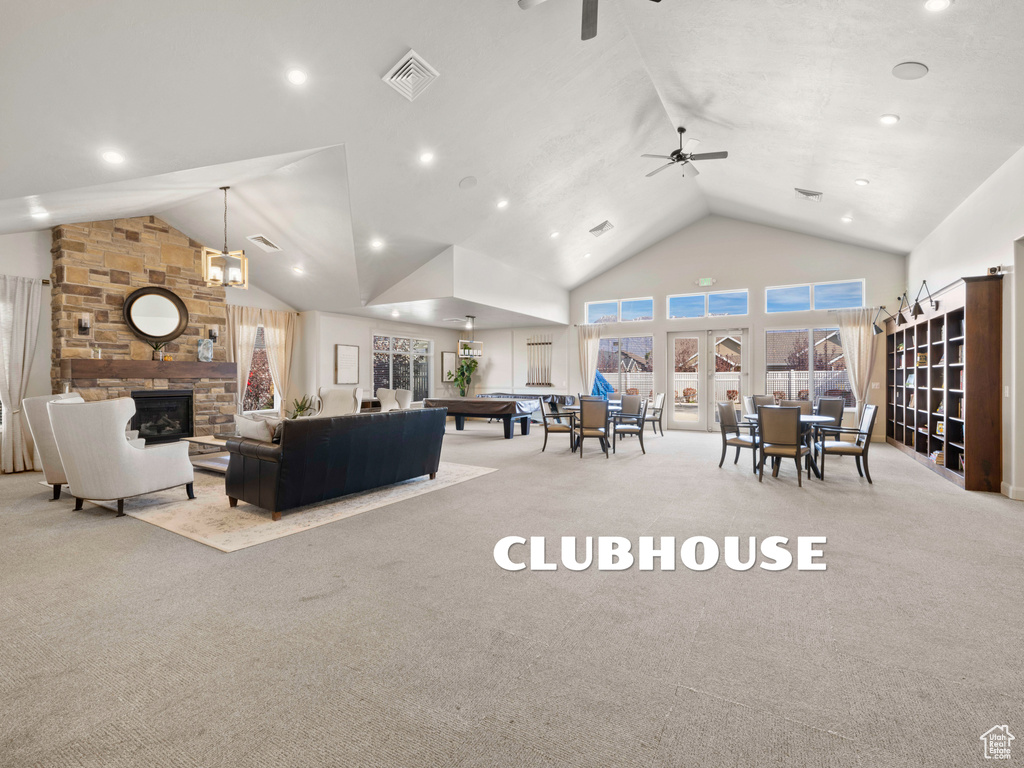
pixel 392 639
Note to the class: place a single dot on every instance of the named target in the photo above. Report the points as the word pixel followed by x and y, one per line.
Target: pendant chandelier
pixel 227 268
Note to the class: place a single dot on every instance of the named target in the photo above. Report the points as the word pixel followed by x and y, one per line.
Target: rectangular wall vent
pixel 264 243
pixel 411 75
pixel 808 194
pixel 601 228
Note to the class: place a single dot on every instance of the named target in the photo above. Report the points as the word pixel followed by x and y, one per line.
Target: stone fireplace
pixel 162 415
pixel 97 264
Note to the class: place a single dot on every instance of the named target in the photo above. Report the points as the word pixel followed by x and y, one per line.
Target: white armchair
pixel 388 400
pixel 404 397
pixel 39 427
pixel 101 465
pixel 339 402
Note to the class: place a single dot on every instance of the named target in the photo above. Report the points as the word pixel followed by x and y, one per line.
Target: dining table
pixel 809 422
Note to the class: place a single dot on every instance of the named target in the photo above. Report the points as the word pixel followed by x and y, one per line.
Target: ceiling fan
pixel 684 155
pixel 589 15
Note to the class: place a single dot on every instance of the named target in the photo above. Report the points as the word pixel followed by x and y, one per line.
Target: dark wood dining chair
pixel 780 437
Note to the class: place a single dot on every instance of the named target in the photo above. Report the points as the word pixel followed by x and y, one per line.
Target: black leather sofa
pixel 321 459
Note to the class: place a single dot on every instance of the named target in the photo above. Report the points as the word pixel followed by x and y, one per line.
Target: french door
pixel 706 368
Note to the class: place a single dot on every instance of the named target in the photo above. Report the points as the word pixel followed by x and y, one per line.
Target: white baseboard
pixel 1012 491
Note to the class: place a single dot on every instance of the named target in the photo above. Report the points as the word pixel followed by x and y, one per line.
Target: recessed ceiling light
pixel 846 219
pixel 297 270
pixel 427 158
pixel 889 119
pixel 376 244
pixel 40 213
pixel 503 204
pixel 937 5
pixel 113 157
pixel 910 70
pixel 554 235
pixel 297 77
pixel 861 182
pixel 395 313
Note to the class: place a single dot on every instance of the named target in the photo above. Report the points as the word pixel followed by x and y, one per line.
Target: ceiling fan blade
pixel 691 145
pixel 589 19
pixel 528 4
pixel 710 156
pixel 660 157
pixel 690 170
pixel 659 170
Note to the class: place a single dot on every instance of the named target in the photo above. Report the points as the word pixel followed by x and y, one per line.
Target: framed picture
pixel 449 362
pixel 346 364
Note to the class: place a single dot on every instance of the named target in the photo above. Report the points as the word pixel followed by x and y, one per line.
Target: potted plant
pixel 301 408
pixel 463 375
pixel 157 346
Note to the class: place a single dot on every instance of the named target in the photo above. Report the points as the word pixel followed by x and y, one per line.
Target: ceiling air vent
pixel 411 75
pixel 264 243
pixel 454 320
pixel 601 228
pixel 808 194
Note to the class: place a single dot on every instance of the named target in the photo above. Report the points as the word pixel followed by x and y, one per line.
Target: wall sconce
pixel 917 311
pixel 904 300
pixel 875 327
pixel 213 333
pixel 84 325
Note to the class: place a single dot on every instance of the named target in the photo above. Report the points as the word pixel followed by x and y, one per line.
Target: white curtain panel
pixel 279 337
pixel 242 325
pixel 859 344
pixel 590 347
pixel 19 324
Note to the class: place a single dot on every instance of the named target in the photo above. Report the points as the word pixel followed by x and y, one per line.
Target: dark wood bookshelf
pixel 962 377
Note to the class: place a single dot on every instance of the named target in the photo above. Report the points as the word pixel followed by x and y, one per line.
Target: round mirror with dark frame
pixel 155 314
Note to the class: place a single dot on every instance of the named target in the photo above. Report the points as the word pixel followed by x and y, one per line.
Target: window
pixel 806 364
pixel 791 298
pixel 400 362
pixel 727 303
pixel 627 364
pixel 800 298
pixel 614 311
pixel 690 305
pixel 707 304
pixel 839 295
pixel 259 390
pixel 603 312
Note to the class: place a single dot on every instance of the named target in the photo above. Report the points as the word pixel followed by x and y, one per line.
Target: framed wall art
pixel 346 364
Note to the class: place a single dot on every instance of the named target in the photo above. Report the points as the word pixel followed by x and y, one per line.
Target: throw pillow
pixel 254 429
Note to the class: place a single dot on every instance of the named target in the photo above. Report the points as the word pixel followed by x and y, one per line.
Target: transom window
pixel 716 304
pixel 800 298
pixel 620 310
pixel 401 362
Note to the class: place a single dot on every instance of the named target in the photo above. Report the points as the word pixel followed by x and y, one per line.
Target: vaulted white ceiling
pixel 793 89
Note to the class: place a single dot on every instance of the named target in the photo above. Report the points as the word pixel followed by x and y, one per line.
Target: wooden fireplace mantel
pixel 92 368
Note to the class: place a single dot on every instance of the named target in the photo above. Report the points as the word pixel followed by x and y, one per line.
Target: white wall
pixel 504 365
pixel 320 331
pixel 738 255
pixel 27 254
pixel 255 297
pixel 981 233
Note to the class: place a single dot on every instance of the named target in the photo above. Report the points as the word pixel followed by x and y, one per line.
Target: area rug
pixel 209 520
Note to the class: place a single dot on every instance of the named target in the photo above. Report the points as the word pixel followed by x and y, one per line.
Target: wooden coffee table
pixel 214 462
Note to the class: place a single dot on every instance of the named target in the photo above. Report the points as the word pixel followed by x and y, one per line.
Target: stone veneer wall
pixel 97 264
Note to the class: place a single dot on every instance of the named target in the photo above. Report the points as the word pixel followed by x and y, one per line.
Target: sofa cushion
pixel 254 429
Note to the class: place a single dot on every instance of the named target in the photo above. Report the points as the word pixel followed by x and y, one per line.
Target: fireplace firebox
pixel 163 415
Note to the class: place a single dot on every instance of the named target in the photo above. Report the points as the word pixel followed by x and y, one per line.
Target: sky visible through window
pixel 794 298
pixel 686 306
pixel 603 312
pixel 730 303
pixel 637 309
pixel 839 295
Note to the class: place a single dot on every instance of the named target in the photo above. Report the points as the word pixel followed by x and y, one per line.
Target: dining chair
pixel 630 407
pixel 760 400
pixel 803 405
pixel 749 409
pixel 780 437
pixel 630 422
pixel 656 417
pixel 554 424
pixel 593 422
pixel 857 447
pixel 732 434
pixel 833 408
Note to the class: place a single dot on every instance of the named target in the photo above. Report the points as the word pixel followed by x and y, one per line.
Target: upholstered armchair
pixel 339 402
pixel 404 397
pixel 38 419
pixel 856 444
pixel 388 400
pixel 101 465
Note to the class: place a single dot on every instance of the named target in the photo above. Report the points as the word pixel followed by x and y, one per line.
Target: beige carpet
pixel 209 519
